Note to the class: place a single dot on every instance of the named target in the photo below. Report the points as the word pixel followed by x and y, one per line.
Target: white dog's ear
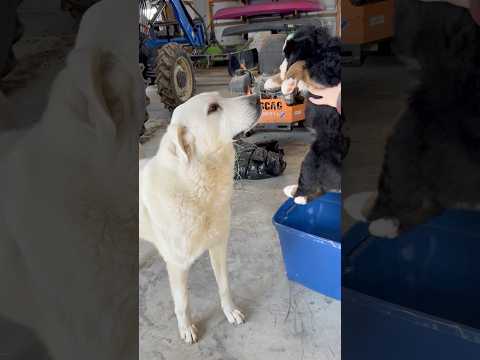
pixel 115 98
pixel 181 144
pixel 121 91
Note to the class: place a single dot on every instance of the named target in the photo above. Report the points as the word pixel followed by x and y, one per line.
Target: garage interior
pixel 284 320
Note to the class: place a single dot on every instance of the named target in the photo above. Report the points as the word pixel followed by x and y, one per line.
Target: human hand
pixel 330 96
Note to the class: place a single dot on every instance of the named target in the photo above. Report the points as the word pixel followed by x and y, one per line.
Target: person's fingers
pixel 323 101
pixel 318 101
pixel 327 90
pixel 328 96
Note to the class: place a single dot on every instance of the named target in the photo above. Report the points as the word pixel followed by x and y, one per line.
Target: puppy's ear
pixel 181 144
pixel 299 71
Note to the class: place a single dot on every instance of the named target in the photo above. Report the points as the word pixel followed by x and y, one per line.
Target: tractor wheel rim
pixel 183 79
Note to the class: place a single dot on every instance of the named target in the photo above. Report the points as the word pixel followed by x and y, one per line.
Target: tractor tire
pixel 175 76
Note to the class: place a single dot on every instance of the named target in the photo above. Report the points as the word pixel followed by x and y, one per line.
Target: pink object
pixel 269 8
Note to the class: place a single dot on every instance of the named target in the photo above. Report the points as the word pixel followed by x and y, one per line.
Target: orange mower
pixel 278 112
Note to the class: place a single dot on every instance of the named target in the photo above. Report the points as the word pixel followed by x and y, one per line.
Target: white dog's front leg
pixel 179 285
pixel 218 258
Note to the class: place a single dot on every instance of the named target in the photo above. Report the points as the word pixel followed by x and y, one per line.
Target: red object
pixel 269 8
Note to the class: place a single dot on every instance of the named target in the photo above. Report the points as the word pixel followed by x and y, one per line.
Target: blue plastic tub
pixel 310 238
pixel 414 297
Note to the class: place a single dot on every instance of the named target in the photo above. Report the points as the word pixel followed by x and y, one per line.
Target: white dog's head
pixel 208 121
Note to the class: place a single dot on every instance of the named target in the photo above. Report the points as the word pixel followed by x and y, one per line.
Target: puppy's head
pixel 208 121
pixel 318 52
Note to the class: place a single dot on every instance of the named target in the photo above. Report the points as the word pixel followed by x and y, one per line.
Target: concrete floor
pixel 285 321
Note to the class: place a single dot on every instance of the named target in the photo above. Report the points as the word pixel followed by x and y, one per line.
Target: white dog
pixel 68 213
pixel 185 194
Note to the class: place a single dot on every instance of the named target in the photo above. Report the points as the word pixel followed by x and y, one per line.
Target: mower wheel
pixel 175 77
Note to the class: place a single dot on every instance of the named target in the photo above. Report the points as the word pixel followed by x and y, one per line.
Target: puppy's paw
pixel 189 334
pixel 384 227
pixel 234 316
pixel 288 86
pixel 359 205
pixel 271 84
pixel 300 200
pixel 290 190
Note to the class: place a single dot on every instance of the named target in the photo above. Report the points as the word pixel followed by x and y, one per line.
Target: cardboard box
pixel 367 23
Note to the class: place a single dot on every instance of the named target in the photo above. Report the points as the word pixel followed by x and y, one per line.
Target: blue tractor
pixel 168 37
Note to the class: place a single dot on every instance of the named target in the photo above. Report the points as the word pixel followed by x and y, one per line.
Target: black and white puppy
pixel 321 168
pixel 312 57
pixel 312 60
pixel 432 158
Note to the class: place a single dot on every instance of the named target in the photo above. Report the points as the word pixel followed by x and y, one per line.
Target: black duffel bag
pixel 258 161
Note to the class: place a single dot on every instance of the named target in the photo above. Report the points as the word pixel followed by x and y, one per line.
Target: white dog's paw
pixel 300 200
pixel 290 190
pixel 189 334
pixel 384 227
pixel 235 316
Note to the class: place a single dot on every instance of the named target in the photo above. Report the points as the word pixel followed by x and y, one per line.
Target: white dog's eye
pixel 212 108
